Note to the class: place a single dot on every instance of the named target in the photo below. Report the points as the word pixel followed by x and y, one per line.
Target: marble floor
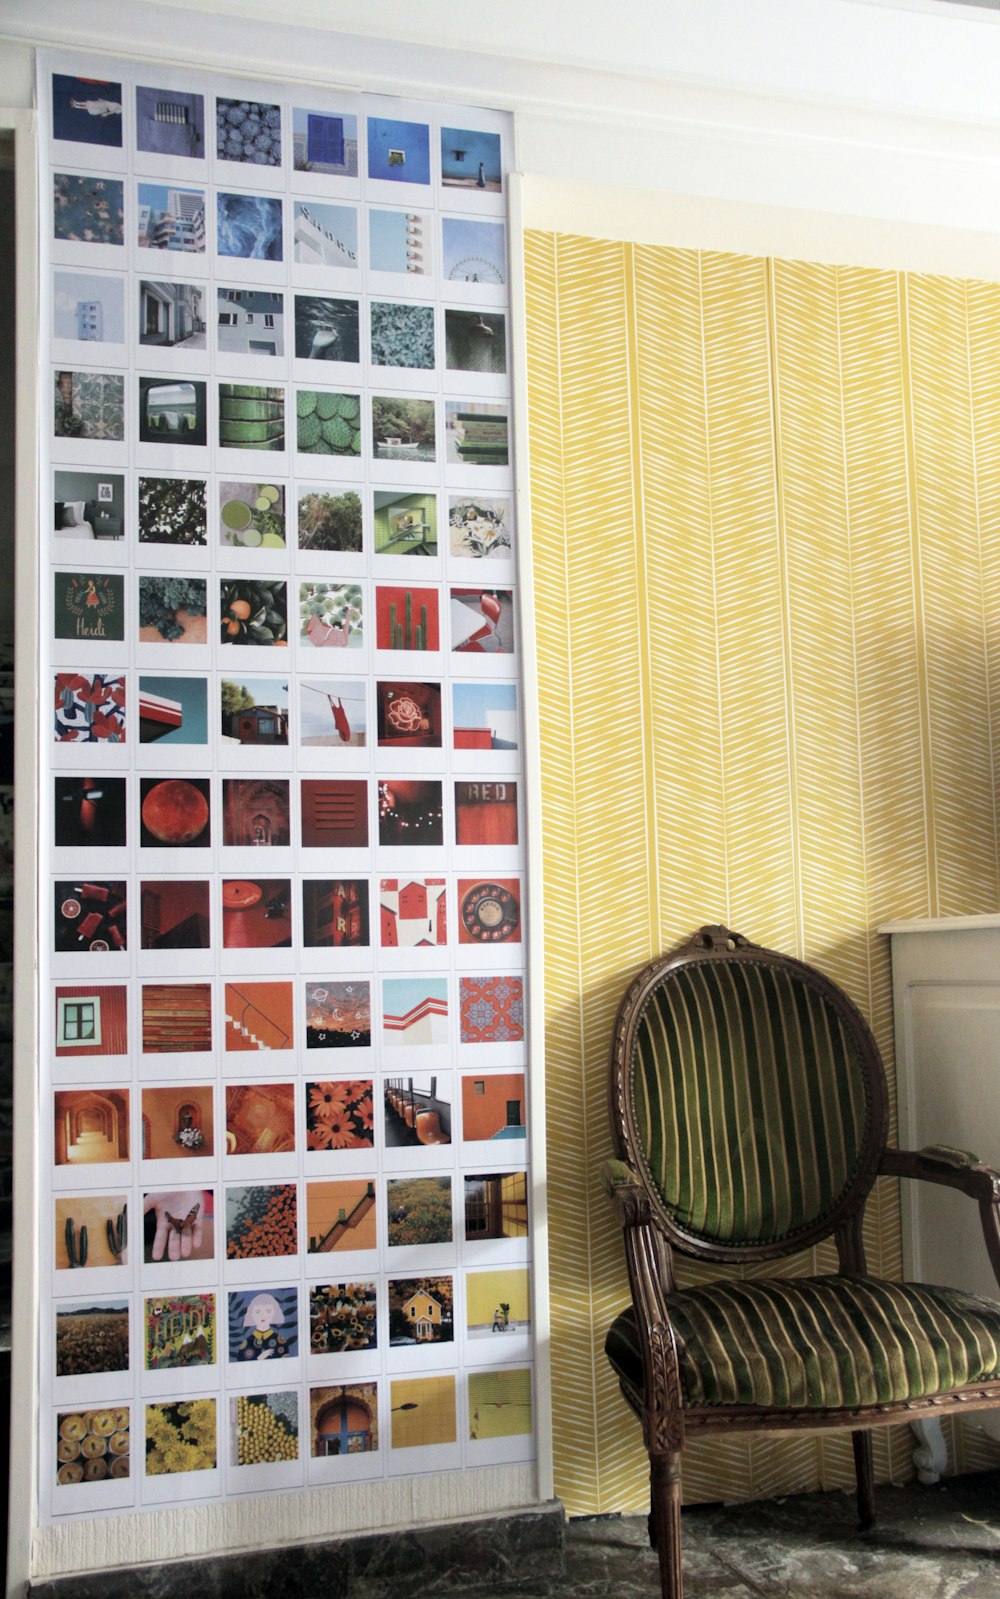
pixel 929 1543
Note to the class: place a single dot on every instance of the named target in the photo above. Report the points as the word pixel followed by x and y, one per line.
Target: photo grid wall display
pixel 286 1227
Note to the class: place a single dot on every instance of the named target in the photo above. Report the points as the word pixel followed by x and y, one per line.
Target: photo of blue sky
pixel 488 705
pixel 473 251
pixel 192 695
pixel 157 195
pixel 400 152
pixel 470 159
pixel 325 235
pixel 85 306
pixel 402 994
pixel 389 241
pixel 316 709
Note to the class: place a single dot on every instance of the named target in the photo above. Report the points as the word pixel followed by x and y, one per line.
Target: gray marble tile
pixel 929 1543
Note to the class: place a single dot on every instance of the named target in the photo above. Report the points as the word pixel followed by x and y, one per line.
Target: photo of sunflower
pixel 339 1116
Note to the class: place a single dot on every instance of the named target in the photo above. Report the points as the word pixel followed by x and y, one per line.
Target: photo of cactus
pixel 327 423
pixel 91 1230
pixel 406 618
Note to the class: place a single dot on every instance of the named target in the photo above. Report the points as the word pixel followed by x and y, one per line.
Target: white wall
pixel 874 108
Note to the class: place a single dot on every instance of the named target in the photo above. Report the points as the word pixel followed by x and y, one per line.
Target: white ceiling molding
pixel 852 106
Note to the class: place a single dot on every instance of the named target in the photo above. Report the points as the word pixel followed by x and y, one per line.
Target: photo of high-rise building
pixel 171 219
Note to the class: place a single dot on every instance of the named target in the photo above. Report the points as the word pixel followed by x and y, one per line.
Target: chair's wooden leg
pixel 665 1520
pixel 865 1472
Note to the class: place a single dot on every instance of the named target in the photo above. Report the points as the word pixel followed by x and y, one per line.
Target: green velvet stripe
pixel 816 1343
pixel 749 1100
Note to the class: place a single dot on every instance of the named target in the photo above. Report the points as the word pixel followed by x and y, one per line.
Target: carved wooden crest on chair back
pixel 749 1095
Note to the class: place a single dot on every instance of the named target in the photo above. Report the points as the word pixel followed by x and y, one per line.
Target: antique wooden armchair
pixel 749 1112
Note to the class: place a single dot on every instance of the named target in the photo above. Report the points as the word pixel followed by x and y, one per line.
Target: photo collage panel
pixel 287 1234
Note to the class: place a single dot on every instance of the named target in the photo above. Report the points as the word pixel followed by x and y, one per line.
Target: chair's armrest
pixel 939 1163
pixel 955 1168
pixel 626 1193
pixel 650 1275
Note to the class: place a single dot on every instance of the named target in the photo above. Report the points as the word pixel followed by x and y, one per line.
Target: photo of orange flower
pixel 340 1116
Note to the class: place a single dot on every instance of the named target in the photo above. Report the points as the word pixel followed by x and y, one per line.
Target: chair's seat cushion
pixel 818 1342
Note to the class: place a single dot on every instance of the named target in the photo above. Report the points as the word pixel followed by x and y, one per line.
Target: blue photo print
pixel 173 710
pixel 250 226
pixel 470 159
pixel 171 218
pixel 88 307
pixel 325 235
pixel 263 1324
pixel 87 110
pixel 169 122
pixel 473 251
pixel 399 152
pixel 398 241
pixel 248 130
pixel 88 210
pixel 326 142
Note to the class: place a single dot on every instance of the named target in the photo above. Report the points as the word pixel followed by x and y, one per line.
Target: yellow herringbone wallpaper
pixel 766 536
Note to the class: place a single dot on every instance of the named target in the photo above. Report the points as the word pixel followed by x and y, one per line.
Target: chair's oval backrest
pixel 749 1092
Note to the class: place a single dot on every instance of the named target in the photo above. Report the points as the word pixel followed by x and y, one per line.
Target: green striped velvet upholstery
pixel 749 1101
pixel 817 1342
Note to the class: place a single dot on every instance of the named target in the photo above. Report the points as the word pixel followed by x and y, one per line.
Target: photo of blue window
pixel 169 122
pixel 325 141
pixel 399 152
pixel 470 159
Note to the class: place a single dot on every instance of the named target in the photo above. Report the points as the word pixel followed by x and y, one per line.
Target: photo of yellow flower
pixel 180 1437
